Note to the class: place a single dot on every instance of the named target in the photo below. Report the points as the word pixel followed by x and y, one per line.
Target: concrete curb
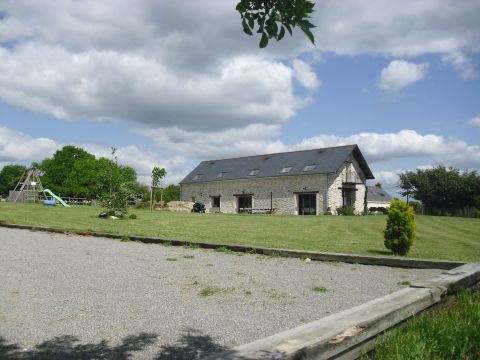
pixel 319 256
pixel 348 334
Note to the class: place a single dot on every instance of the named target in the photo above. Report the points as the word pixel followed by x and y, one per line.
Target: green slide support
pixel 49 192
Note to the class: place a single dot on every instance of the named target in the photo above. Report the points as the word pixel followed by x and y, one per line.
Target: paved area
pixel 71 297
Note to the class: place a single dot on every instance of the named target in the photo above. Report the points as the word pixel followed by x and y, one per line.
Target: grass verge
pixel 450 332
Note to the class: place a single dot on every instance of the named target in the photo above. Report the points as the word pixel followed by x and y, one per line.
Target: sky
pixel 172 83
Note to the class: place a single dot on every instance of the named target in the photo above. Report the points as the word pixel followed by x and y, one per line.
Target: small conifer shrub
pixel 400 231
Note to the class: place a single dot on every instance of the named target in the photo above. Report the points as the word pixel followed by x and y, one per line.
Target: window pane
pixel 254 172
pixel 309 167
pixel 286 169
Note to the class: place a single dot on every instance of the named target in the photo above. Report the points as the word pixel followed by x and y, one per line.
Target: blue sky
pixel 172 84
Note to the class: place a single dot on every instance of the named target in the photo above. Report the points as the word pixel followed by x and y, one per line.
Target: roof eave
pixel 363 163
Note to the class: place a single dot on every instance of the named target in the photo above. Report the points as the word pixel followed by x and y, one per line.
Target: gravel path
pixel 71 297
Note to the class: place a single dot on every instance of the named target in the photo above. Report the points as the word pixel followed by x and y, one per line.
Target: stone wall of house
pixel 281 192
pixel 334 195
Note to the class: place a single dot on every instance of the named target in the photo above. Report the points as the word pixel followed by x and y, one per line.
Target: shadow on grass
pixel 192 345
pixel 380 252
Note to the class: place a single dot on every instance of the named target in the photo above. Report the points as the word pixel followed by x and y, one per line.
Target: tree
pixel 405 185
pixel 272 18
pixel 83 179
pixel 442 190
pixel 56 170
pixel 157 175
pixel 141 191
pixel 171 193
pixel 9 177
pixel 116 184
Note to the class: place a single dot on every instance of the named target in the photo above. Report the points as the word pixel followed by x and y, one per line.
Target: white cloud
pixel 17 146
pixel 305 75
pixel 475 121
pixel 401 73
pixel 407 28
pixel 252 139
pixel 387 178
pixel 378 147
pixel 104 85
pixel 461 63
pixel 188 64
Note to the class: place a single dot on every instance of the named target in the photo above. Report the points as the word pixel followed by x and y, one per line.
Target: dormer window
pixel 197 177
pixel 221 175
pixel 286 169
pixel 309 167
pixel 254 172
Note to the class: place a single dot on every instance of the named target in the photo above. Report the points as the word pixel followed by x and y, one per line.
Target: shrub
pixel 198 208
pixel 476 214
pixel 400 231
pixel 132 216
pixel 346 210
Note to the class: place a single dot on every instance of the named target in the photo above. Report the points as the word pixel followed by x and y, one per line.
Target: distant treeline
pixel 74 172
pixel 443 191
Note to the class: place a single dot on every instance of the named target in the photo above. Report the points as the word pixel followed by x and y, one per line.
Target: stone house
pixel 306 182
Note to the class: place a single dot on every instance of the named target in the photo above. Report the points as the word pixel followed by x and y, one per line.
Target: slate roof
pixel 377 194
pixel 326 160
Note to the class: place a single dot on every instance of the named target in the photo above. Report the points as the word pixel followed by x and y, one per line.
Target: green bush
pixel 476 214
pixel 346 210
pixel 400 231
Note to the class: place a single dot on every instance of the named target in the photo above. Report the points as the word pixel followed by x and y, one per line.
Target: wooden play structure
pixel 28 187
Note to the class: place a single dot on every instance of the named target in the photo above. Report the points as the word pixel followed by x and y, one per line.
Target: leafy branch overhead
pixel 272 18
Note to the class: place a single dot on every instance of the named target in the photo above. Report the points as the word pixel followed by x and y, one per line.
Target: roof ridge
pixel 278 153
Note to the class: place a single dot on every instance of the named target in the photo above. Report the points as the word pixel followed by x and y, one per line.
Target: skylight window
pixel 198 177
pixel 309 167
pixel 286 169
pixel 221 175
pixel 254 172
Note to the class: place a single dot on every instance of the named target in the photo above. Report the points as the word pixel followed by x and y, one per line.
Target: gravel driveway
pixel 71 297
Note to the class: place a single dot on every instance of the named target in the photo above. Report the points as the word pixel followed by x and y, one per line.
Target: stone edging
pixel 350 333
pixel 313 255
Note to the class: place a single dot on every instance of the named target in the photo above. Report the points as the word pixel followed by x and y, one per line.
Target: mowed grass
pixel 449 238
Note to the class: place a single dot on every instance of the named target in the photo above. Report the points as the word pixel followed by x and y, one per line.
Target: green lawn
pixel 437 237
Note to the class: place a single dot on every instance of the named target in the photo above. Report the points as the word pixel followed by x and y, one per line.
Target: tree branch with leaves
pixel 157 175
pixel 273 18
